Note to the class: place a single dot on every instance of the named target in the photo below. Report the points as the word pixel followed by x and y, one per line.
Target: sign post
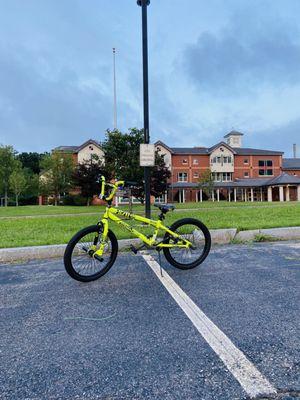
pixel 144 4
pixel 147 155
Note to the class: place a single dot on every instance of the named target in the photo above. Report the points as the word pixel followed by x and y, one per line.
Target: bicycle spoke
pixel 83 262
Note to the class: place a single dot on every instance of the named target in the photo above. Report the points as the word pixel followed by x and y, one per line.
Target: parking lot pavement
pixel 124 336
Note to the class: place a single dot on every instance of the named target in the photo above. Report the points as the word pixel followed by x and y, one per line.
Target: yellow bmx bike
pixel 93 250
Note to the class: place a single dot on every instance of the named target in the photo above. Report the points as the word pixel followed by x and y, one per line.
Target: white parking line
pixel 252 381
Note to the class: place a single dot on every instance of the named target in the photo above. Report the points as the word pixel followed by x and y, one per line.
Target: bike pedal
pixel 132 248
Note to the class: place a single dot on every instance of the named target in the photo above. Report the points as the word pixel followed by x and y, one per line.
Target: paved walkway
pixel 228 329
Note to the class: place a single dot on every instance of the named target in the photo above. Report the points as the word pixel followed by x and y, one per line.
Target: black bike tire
pixel 70 247
pixel 207 245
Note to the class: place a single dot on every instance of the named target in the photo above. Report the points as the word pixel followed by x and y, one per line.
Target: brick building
pixel 84 152
pixel 240 173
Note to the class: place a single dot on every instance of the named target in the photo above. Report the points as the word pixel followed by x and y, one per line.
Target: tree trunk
pixel 5 197
pixel 88 202
pixel 17 200
pixel 55 200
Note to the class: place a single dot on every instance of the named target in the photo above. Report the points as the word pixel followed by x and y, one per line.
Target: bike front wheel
pixel 197 233
pixel 78 258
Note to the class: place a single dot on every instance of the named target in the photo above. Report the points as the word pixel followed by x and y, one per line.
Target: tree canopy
pixel 57 176
pixel 122 158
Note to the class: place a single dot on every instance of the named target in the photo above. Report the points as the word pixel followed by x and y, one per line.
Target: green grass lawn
pixel 18 230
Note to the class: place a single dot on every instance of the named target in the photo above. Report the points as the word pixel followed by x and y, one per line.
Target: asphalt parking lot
pixel 125 337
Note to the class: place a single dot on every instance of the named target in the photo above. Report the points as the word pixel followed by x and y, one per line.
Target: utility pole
pixel 115 89
pixel 144 4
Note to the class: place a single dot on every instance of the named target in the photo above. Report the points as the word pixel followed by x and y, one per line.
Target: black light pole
pixel 144 4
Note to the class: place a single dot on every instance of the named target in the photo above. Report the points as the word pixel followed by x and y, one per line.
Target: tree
pixel 160 175
pixel 18 182
pixel 57 176
pixel 206 182
pixel 86 176
pixel 31 161
pixel 122 158
pixel 7 165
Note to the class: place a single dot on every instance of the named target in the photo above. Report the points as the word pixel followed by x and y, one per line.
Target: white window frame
pixel 181 178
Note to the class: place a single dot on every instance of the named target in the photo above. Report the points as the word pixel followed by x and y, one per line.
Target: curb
pixel 219 236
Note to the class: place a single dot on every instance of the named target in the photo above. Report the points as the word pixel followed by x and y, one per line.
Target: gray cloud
pixel 280 138
pixel 244 54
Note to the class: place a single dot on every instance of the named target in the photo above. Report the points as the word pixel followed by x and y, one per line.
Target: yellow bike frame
pixel 111 213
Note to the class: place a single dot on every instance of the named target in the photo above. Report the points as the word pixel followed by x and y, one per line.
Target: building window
pixel 265 163
pixel 222 176
pixel 184 161
pixel 221 160
pixel 246 174
pixel 264 172
pixel 226 159
pixel 246 161
pixel 195 161
pixel 196 175
pixel 182 176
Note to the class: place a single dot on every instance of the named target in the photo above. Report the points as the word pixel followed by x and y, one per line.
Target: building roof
pixel 189 150
pixel 234 133
pixel 223 144
pixel 291 163
pixel 248 151
pixel 76 149
pixel 66 149
pixel 242 151
pixel 283 179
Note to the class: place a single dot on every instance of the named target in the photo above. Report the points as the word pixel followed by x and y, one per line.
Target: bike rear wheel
pixel 78 258
pixel 197 233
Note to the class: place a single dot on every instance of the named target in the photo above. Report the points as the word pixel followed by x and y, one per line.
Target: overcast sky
pixel 213 66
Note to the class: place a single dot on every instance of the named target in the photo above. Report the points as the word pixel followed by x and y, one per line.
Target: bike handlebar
pixel 114 187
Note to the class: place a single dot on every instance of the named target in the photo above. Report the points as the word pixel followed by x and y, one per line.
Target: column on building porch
pixel 252 195
pixel 298 192
pixel 261 194
pixel 234 191
pixel 270 193
pixel 245 196
pixel 281 194
pixel 229 194
pixel 213 195
pixel 218 195
pixel 201 195
pixel 287 193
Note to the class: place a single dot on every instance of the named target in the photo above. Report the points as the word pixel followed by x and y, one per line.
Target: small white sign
pixel 147 155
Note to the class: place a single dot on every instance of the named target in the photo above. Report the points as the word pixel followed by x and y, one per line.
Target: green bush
pixel 28 200
pixel 74 200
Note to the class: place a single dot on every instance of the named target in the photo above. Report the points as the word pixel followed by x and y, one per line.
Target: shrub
pixel 74 200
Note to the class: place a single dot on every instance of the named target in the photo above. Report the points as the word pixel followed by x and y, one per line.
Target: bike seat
pixel 164 208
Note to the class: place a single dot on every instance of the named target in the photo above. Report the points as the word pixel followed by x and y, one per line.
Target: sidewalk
pixel 219 236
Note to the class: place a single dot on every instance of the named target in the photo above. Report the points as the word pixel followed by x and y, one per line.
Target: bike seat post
pixel 161 216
